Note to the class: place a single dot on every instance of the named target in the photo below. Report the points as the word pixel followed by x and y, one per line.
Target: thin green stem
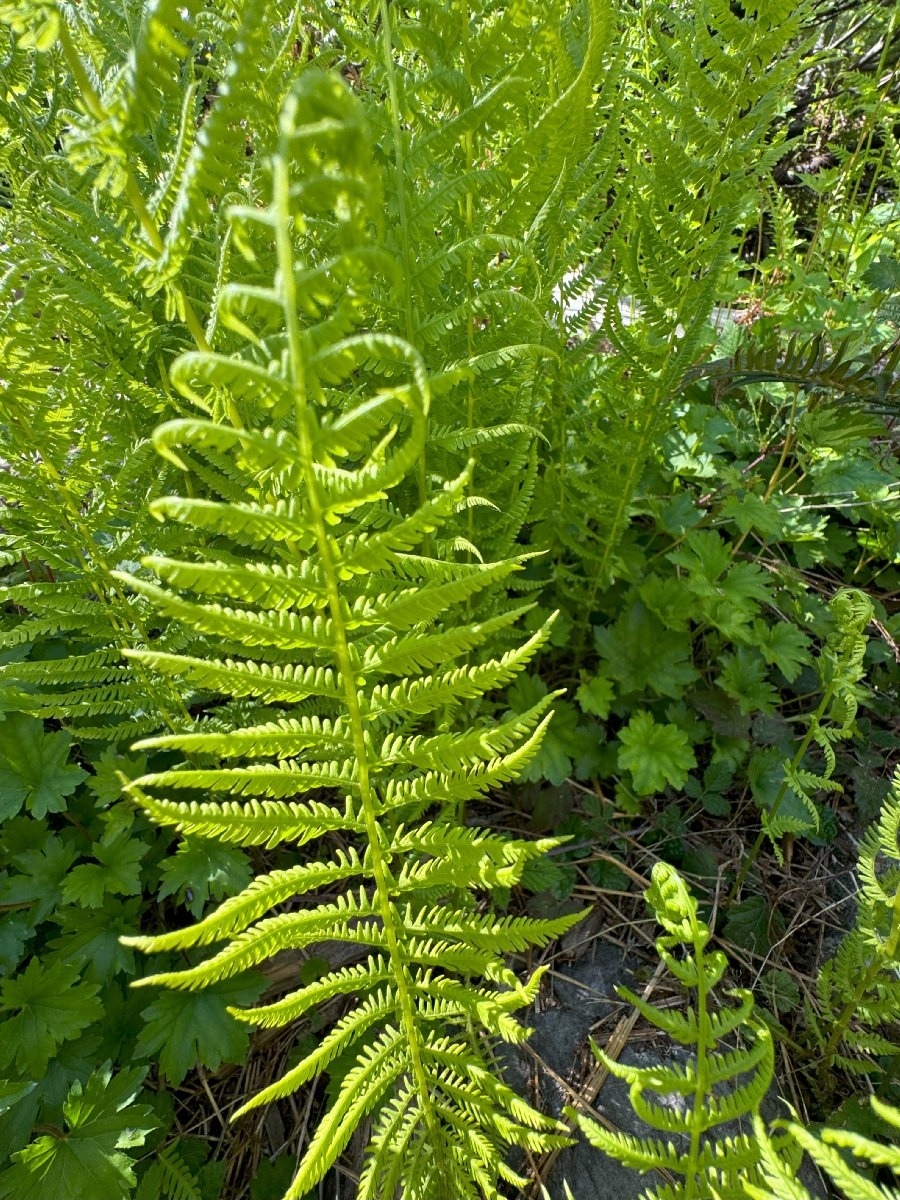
pixel 387 48
pixel 701 1088
pixel 751 858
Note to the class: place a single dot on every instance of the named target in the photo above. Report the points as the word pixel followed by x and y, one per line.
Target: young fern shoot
pixel 714 1086
pixel 841 667
pixel 312 607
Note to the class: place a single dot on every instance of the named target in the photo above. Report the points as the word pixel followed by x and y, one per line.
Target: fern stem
pixel 374 832
pixel 92 101
pixel 469 158
pixel 399 167
pixel 860 150
pixel 701 1089
pixel 751 858
pixel 646 440
pixel 387 47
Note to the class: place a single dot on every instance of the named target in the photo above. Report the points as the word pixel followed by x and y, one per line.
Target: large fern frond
pixel 320 602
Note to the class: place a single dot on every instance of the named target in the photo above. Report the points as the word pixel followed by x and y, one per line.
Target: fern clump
pixel 110 259
pixel 716 1085
pixel 858 990
pixel 690 113
pixel 314 606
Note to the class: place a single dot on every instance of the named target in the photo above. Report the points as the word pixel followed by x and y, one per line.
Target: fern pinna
pixel 334 639
pixel 714 1086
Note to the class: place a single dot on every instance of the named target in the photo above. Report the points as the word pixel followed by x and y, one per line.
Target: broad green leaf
pixel 781 990
pixel 86 1159
pixel 117 872
pixel 751 512
pixel 641 654
pixel 669 600
pixel 654 754
pixel 705 555
pixel 596 696
pixel 33 768
pixel 105 783
pixel 744 679
pixel 91 936
pixel 48 1007
pixel 883 275
pixel 839 429
pixel 560 744
pixel 783 645
pixel 751 925
pixel 15 931
pixel 40 871
pixel 184 1028
pixel 201 868
pixel 12 1092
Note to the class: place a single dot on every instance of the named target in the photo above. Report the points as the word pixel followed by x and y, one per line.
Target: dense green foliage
pixel 398 402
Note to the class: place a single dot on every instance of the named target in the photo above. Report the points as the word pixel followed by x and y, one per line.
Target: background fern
pixel 836 1152
pixel 679 191
pixel 390 385
pixel 858 991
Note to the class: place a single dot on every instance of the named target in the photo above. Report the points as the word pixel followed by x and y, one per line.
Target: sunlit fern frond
pixel 322 606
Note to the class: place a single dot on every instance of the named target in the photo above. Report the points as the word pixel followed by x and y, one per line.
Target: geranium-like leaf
pixel 654 754
pixel 117 872
pixel 640 654
pixel 784 646
pixel 47 1007
pixel 185 1028
pixel 33 768
pixel 86 1159
pixel 744 679
pixel 201 868
pixel 596 696
pixel 105 782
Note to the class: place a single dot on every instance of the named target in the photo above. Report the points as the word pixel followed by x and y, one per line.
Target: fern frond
pixel 858 988
pixel 321 594
pixel 833 1151
pixel 717 1084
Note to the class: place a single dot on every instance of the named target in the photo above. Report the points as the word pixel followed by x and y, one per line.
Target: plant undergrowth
pixel 449 469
